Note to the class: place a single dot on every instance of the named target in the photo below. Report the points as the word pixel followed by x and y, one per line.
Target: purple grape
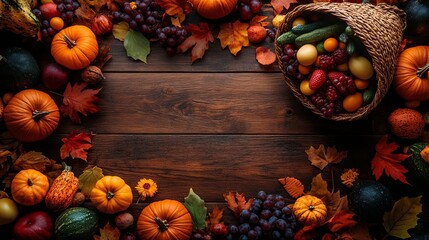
pixel 244 228
pixel 75 5
pixel 243 237
pixel 252 235
pixel 253 219
pixel 262 195
pixel 287 211
pixel 265 226
pixel 281 224
pixel 37 13
pixel 245 13
pixel 277 213
pixel 69 15
pixel 266 214
pixel 255 6
pixel 51 32
pixel 45 24
pixel 268 204
pixel 68 7
pixel 245 215
pixel 279 205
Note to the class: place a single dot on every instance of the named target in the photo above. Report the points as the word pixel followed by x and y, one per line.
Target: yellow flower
pixel 146 188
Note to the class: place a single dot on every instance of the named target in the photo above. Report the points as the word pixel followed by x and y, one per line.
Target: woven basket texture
pixel 379 27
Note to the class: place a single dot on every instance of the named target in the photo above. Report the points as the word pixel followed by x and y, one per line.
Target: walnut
pixel 92 75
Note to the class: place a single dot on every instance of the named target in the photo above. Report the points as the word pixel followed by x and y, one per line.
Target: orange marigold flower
pixel 146 188
pixel 349 176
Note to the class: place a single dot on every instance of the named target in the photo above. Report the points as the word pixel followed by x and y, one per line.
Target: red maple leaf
pixel 278 5
pixel 198 41
pixel 237 202
pixel 76 99
pixel 343 219
pixel 76 145
pixel 390 163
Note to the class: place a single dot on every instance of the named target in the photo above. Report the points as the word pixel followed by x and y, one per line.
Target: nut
pixel 92 75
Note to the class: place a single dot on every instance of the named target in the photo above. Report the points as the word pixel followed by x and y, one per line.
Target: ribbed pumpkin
pixel 62 191
pixel 213 9
pixel 309 210
pixel 31 115
pixel 411 80
pixel 164 220
pixel 74 47
pixel 111 195
pixel 29 187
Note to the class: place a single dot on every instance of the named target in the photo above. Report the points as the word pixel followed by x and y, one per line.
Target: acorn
pixel 92 75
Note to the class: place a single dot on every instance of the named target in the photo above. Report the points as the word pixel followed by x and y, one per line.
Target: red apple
pixel 49 10
pixel 55 76
pixel 35 226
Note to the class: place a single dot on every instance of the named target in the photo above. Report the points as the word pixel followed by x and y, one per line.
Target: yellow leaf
pixel 402 217
pixel 89 178
pixel 319 188
pixel 234 35
pixel 322 156
pixel 120 30
pixel 108 233
pixel 32 159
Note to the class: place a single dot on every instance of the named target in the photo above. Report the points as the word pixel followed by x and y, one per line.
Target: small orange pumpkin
pixel 213 9
pixel 164 220
pixel 29 187
pixel 310 210
pixel 31 115
pixel 74 47
pixel 101 24
pixel 411 79
pixel 111 195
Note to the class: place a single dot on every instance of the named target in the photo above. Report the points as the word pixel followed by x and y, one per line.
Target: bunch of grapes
pixel 67 8
pixel 268 218
pixel 170 37
pixel 248 8
pixel 290 63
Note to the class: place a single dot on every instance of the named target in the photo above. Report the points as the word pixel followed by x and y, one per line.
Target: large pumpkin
pixel 31 115
pixel 213 9
pixel 29 187
pixel 111 195
pixel 310 210
pixel 74 47
pixel 411 80
pixel 164 220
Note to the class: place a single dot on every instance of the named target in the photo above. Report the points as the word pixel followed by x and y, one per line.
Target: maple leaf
pixel 389 163
pixel 349 177
pixel 306 232
pixel 215 216
pixel 76 145
pixel 265 56
pixel 402 217
pixel 259 20
pixel 177 9
pixel 78 99
pixel 234 35
pixel 278 5
pixel 319 188
pixel 343 219
pixel 322 156
pixel 337 204
pixel 198 41
pixel 84 13
pixel 108 233
pixel 293 186
pixel 237 202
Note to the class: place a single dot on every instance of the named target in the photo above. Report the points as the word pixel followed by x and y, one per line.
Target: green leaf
pixel 89 178
pixel 120 30
pixel 197 209
pixel 402 217
pixel 137 45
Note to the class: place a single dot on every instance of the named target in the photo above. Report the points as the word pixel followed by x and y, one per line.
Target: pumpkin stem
pixel 422 72
pixel 70 43
pixel 29 182
pixel 109 195
pixel 162 224
pixel 311 207
pixel 38 115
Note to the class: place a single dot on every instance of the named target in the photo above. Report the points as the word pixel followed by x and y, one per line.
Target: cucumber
pixel 349 31
pixel 369 94
pixel 286 38
pixel 351 48
pixel 301 29
pixel 320 34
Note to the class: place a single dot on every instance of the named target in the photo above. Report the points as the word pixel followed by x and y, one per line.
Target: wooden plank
pixel 251 103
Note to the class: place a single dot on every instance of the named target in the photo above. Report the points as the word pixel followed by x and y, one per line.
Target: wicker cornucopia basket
pixel 379 28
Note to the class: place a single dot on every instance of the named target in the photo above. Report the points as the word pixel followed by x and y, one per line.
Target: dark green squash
pixel 18 69
pixel 418 166
pixel 369 200
pixel 417 21
pixel 76 223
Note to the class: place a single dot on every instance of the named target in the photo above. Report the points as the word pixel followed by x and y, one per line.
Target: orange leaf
pixel 264 56
pixel 319 188
pixel 306 232
pixel 293 186
pixel 177 9
pixel 84 13
pixel 216 215
pixel 349 177
pixel 76 145
pixel 237 203
pixel 321 157
pixel 78 99
pixel 108 233
pixel 234 35
pixel 259 20
pixel 278 5
pixel 360 231
pixel 198 41
pixel 341 220
pixel 385 160
pixel 337 204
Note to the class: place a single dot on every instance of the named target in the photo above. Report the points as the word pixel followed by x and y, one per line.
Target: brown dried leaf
pixel 108 233
pixel 319 188
pixel 216 215
pixel 293 186
pixel 237 202
pixel 321 157
pixel 349 177
pixel 259 20
pixel 336 204
pixel 32 159
pixel 103 54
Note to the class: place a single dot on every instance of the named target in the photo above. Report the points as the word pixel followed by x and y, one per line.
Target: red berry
pixel 327 63
pixel 219 229
pixel 340 56
pixel 317 79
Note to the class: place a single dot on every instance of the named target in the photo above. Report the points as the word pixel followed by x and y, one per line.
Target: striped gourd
pixel 76 223
pixel 60 195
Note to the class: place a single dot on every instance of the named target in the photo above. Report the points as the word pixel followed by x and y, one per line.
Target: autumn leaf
pixel 137 45
pixel 234 35
pixel 31 159
pixel 237 202
pixel 307 232
pixel 389 163
pixel 84 13
pixel 103 55
pixel 78 99
pixel 402 217
pixel 120 30
pixel 293 186
pixel 322 156
pixel 198 41
pixel 341 220
pixel 177 9
pixel 216 215
pixel 278 5
pixel 319 188
pixel 259 20
pixel 197 209
pixel 349 177
pixel 108 233
pixel 265 56
pixel 336 204
pixel 360 231
pixel 76 145
pixel 89 178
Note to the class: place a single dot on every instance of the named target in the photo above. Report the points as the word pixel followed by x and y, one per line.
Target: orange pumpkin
pixel 213 9
pixel 31 115
pixel 310 210
pixel 74 47
pixel 164 220
pixel 411 80
pixel 29 187
pixel 111 195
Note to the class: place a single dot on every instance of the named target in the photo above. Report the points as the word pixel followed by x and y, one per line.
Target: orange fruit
pixel 361 84
pixel 304 70
pixel 330 44
pixel 342 45
pixel 343 67
pixel 352 102
pixel 57 23
pixel 305 89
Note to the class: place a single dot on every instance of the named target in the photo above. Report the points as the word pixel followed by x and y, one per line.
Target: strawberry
pixel 317 79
